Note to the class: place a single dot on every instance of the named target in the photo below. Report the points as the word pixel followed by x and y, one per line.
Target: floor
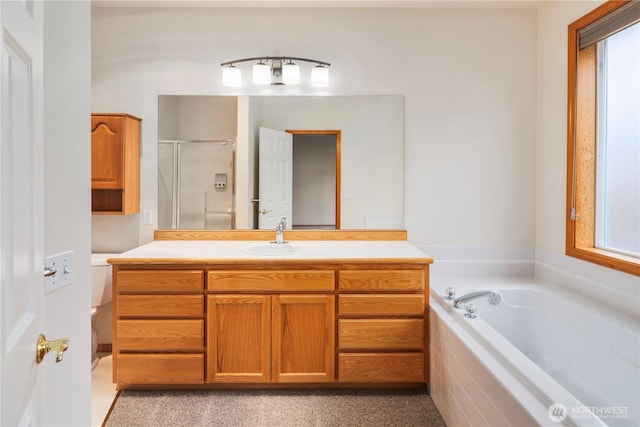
pixel 253 408
pixel 275 408
pixel 103 391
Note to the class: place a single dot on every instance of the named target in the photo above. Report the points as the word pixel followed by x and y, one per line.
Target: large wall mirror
pixel 344 169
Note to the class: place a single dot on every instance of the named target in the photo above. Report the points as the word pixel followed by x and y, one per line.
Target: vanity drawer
pixel 271 281
pixel 160 306
pixel 160 335
pixel 160 369
pixel 381 334
pixel 381 280
pixel 152 281
pixel 381 367
pixel 379 305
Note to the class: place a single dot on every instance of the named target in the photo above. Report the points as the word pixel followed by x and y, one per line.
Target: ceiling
pixel 319 3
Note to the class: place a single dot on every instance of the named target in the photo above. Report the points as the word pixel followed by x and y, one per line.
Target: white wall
pixel 67 174
pixel 468 77
pixel 485 114
pixel 618 290
pixel 198 117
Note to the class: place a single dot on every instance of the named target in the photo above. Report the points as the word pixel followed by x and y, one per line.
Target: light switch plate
pixel 147 217
pixel 63 265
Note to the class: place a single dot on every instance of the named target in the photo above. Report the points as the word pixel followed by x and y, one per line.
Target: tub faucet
pixel 279 227
pixel 494 298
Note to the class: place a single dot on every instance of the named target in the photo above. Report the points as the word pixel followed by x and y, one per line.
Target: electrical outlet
pixel 58 271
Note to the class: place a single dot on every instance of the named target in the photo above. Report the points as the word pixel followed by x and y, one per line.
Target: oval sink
pixel 273 249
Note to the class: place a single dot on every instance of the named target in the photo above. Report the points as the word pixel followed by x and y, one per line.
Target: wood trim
pixel 581 143
pixel 267 235
pixel 370 385
pixel 270 263
pixel 338 134
pixel 131 166
pixel 572 67
pixel 609 259
pixel 585 148
pixel 597 13
pixel 104 348
pixel 117 115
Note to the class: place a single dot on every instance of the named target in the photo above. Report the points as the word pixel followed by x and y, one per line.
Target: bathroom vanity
pixel 225 310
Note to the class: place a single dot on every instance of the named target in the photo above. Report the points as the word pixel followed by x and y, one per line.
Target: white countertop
pixel 238 250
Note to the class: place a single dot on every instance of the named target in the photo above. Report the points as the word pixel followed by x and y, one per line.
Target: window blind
pixel 621 18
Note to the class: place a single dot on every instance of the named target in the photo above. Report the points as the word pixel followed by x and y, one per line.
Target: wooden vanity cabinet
pixel 158 331
pixel 273 326
pixel 115 164
pixel 229 325
pixel 381 326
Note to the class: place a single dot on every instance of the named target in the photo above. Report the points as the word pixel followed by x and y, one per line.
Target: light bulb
pixel 320 76
pixel 290 74
pixel 261 74
pixel 231 76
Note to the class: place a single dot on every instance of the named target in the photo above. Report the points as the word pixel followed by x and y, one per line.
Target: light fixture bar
pixel 275 70
pixel 275 58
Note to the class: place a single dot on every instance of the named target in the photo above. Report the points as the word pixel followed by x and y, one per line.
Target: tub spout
pixel 494 298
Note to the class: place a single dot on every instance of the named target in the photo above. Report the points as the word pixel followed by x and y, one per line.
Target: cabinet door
pixel 303 334
pixel 238 338
pixel 107 155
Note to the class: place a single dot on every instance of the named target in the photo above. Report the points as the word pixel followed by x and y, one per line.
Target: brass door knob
pixel 265 211
pixel 43 347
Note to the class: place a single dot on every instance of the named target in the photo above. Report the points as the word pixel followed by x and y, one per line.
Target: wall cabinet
pixel 115 164
pixel 277 337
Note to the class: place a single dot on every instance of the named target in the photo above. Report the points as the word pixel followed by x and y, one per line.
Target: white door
pixel 275 175
pixel 21 217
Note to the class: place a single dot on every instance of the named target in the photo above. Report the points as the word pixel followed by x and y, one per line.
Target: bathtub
pixel 541 356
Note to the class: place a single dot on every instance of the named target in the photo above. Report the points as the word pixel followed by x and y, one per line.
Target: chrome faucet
pixel 279 227
pixel 494 298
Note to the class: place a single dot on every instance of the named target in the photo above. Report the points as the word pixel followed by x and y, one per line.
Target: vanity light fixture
pixel 275 70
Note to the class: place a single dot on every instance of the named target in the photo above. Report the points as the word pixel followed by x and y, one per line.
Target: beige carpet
pixel 282 408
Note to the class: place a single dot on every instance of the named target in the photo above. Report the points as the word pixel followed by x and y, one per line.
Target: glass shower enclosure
pixel 196 185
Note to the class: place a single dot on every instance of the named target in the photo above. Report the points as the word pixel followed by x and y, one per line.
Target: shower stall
pixel 196 184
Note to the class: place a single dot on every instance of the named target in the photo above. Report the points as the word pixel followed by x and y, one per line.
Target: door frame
pixel 338 135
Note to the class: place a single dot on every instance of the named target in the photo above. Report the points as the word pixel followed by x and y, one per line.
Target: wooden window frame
pixel 581 150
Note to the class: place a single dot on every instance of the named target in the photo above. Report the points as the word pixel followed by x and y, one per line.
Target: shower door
pixel 196 185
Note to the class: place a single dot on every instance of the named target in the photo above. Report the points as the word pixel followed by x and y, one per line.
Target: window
pixel 603 156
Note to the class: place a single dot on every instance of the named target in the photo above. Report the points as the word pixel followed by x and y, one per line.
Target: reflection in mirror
pixel 346 166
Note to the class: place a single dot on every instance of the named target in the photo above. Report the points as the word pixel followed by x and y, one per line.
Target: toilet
pixel 100 295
